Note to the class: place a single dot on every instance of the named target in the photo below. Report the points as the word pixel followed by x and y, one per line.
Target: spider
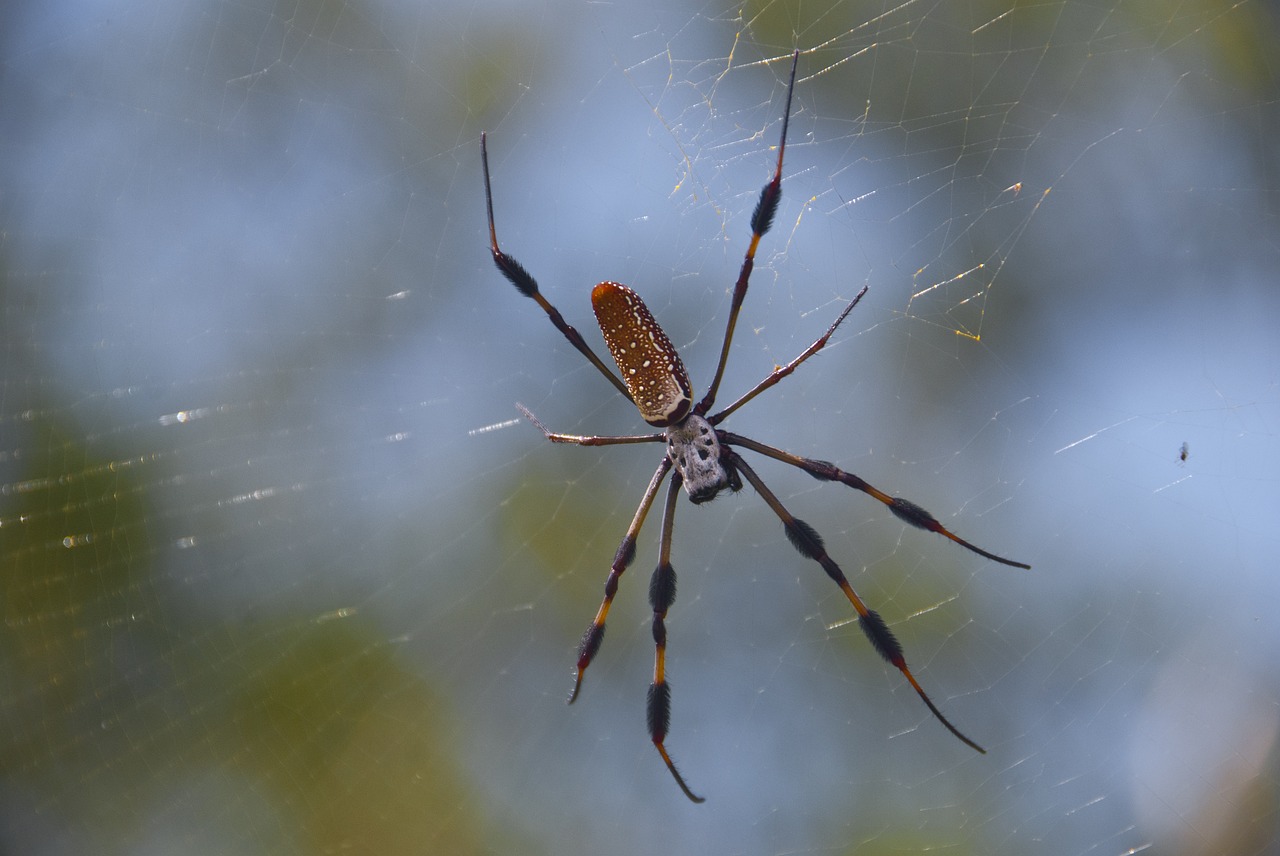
pixel 700 456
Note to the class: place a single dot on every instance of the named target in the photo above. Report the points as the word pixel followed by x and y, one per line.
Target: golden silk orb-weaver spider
pixel 704 457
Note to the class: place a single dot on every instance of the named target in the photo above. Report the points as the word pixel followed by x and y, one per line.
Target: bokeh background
pixel 282 571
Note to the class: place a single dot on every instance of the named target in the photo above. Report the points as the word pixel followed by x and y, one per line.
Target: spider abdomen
pixel 650 365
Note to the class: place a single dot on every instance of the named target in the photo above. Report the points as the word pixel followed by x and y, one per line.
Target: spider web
pixel 283 572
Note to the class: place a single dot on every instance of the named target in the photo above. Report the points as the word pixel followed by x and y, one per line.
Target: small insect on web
pixel 700 456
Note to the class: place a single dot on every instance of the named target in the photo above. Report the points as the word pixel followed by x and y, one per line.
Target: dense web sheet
pixel 284 571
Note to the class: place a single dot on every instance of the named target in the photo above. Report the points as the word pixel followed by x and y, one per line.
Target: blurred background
pixel 283 571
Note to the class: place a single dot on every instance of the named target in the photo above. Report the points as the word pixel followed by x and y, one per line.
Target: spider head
pixel 696 454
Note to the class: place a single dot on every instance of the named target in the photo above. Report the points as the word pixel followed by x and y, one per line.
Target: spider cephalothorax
pixel 694 450
pixel 703 456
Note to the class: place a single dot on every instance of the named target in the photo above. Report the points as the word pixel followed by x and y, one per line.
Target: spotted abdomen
pixel 650 366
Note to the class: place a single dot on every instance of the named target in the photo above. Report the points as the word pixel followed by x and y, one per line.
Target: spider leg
pixel 904 509
pixel 594 634
pixel 580 440
pixel 528 286
pixel 761 220
pixel 782 371
pixel 662 593
pixel 807 541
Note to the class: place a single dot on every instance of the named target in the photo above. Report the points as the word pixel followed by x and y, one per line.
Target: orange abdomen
pixel 650 366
